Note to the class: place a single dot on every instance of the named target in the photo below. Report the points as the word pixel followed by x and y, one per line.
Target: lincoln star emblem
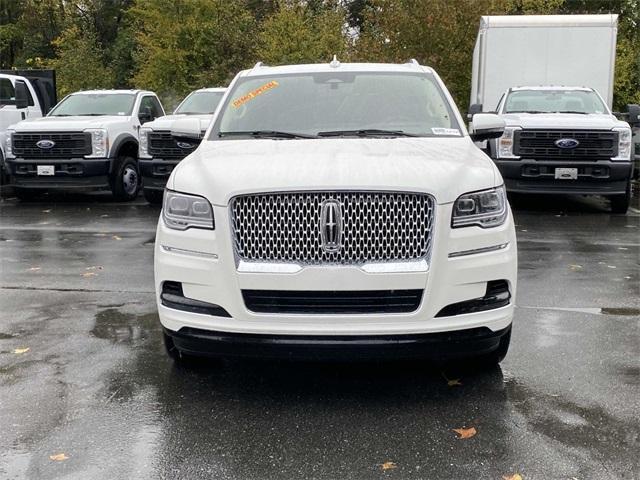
pixel 185 145
pixel 567 143
pixel 331 226
pixel 45 144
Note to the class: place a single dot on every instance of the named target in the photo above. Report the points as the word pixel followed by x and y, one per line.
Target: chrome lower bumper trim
pixel 476 251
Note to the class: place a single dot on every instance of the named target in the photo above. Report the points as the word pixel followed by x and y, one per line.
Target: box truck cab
pixel 550 77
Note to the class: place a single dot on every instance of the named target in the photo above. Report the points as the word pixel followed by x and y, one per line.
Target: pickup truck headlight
pixel 143 142
pixel 181 211
pixel 8 144
pixel 487 208
pixel 625 142
pixel 99 143
pixel 505 143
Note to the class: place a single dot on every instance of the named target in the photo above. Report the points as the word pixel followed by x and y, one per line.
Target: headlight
pixel 8 144
pixel 181 211
pixel 505 143
pixel 99 143
pixel 485 209
pixel 624 143
pixel 143 149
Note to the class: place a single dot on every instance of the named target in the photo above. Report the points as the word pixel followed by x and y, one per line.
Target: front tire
pixel 126 180
pixel 154 197
pixel 620 203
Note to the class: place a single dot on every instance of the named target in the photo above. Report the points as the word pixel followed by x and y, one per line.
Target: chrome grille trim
pixel 379 226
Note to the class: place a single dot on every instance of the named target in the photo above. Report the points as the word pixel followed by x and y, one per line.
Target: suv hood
pixel 165 123
pixel 563 120
pixel 69 124
pixel 443 167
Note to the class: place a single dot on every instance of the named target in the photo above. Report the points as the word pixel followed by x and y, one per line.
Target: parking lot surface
pixel 86 390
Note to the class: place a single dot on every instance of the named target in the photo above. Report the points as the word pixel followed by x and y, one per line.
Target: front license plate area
pixel 46 170
pixel 566 174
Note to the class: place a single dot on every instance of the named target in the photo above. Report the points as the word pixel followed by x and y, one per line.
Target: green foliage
pixel 295 34
pixel 78 62
pixel 186 44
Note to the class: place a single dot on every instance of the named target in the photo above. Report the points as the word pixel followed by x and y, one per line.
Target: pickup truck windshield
pixel 336 104
pixel 95 104
pixel 199 103
pixel 554 101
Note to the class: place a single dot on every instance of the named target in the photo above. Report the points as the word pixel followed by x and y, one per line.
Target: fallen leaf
pixel 116 237
pixel 58 457
pixel 515 476
pixel 454 382
pixel 575 267
pixel 46 211
pixel 94 267
pixel 20 351
pixel 611 266
pixel 89 274
pixel 34 269
pixel 465 432
pixel 388 466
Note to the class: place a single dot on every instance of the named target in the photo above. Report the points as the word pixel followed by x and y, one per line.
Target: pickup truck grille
pixel 66 145
pixel 163 145
pixel 540 144
pixel 295 227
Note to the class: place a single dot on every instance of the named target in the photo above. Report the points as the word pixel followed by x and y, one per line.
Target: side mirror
pixel 187 131
pixel 634 115
pixel 145 115
pixel 485 126
pixel 473 110
pixel 22 96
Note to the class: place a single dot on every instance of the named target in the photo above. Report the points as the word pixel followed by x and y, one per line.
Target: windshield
pixel 336 104
pixel 95 104
pixel 554 101
pixel 199 103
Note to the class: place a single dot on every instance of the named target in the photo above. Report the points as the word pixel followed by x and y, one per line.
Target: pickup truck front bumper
pixel 599 177
pixel 68 173
pixel 155 172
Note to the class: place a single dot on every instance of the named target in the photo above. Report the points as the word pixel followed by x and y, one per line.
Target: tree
pixel 78 62
pixel 298 33
pixel 188 44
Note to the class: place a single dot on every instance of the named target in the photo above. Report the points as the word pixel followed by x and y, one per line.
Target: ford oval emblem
pixel 45 144
pixel 185 145
pixel 567 143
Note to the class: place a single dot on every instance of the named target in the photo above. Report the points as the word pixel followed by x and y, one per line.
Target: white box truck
pixel 550 77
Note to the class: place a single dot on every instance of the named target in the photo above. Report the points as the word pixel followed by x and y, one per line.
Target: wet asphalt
pixel 95 397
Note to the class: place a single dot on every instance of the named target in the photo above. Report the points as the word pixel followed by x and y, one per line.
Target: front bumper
pixel 203 261
pixel 456 344
pixel 601 177
pixel 69 173
pixel 155 172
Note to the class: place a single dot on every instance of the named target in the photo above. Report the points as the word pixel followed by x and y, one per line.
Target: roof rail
pixel 413 61
pixel 258 65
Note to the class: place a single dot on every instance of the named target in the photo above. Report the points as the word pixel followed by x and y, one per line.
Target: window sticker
pixel 445 131
pixel 251 95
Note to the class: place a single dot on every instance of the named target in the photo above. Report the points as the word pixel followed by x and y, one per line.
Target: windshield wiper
pixel 572 111
pixel 266 134
pixel 527 111
pixel 366 132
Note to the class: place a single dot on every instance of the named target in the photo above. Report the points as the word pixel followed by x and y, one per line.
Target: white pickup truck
pixel 23 94
pixel 88 141
pixel 160 152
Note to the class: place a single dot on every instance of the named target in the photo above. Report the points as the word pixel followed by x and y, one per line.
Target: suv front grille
pixel 539 144
pixel 376 227
pixel 332 302
pixel 66 145
pixel 163 145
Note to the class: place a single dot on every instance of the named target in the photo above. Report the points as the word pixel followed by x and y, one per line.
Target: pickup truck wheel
pixel 154 197
pixel 620 203
pixel 125 183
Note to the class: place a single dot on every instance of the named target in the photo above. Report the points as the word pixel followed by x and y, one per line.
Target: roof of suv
pixel 108 92
pixel 553 87
pixel 260 69
pixel 212 89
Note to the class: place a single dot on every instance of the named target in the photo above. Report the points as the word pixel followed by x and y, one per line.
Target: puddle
pixel 622 311
pixel 111 324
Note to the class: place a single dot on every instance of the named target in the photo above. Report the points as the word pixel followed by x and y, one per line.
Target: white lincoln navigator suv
pixel 337 210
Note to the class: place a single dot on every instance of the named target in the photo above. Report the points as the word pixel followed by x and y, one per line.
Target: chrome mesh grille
pixel 377 227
